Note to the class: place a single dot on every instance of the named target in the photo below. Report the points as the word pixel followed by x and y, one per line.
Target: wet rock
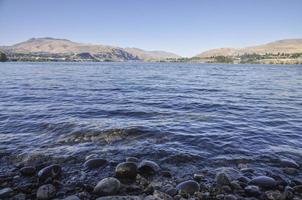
pixel 264 182
pixel 161 195
pixel 288 193
pixel 289 163
pixel 45 192
pixel 132 159
pixel 273 195
pixel 235 185
pixel 290 171
pixel 188 187
pixel 148 167
pixel 298 189
pixel 6 192
pixel 120 198
pixel 198 177
pixel 226 176
pixel 72 197
pixel 226 189
pixel 126 170
pixel 52 171
pixel 230 197
pixel 171 191
pixel 252 190
pixel 95 163
pixel 107 186
pixel 28 171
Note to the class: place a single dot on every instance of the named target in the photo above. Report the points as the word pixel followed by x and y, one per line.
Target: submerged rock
pixel 264 182
pixel 148 167
pixel 52 171
pixel 226 176
pixel 107 186
pixel 188 187
pixel 95 163
pixel 289 163
pixel 28 171
pixel 6 192
pixel 46 192
pixel 126 170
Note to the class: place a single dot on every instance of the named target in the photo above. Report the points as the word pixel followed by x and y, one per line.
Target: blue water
pixel 202 114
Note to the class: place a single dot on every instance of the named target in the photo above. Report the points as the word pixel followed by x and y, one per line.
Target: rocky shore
pixel 141 179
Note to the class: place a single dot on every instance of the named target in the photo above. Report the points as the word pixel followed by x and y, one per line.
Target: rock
pixel 290 171
pixel 171 191
pixel 126 170
pixel 147 167
pixel 6 192
pixel 220 196
pixel 198 177
pixel 226 189
pixel 252 190
pixel 188 187
pixel 132 159
pixel 289 163
pixel 52 171
pixel 28 171
pixel 166 174
pixel 72 197
pixel 107 186
pixel 298 189
pixel 120 198
pixel 95 163
pixel 45 192
pixel 160 195
pixel 226 176
pixel 230 197
pixel 288 193
pixel 19 196
pixel 235 185
pixel 273 195
pixel 264 182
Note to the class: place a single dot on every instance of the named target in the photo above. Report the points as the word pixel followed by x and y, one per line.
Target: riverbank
pixel 92 177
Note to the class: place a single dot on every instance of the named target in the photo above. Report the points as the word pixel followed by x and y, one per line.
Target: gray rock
pixel 95 163
pixel 120 198
pixel 290 171
pixel 72 197
pixel 28 171
pixel 6 192
pixel 252 190
pixel 289 163
pixel 188 187
pixel 230 197
pixel 107 186
pixel 45 192
pixel 126 170
pixel 52 171
pixel 148 167
pixel 226 176
pixel 273 195
pixel 264 182
pixel 171 191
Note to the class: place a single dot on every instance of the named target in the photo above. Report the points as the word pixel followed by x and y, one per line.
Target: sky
pixel 185 27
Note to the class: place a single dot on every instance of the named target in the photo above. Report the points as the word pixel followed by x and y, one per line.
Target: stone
pixel 120 198
pixel 19 196
pixel 148 167
pixel 290 171
pixel 230 197
pixel 161 195
pixel 188 187
pixel 132 159
pixel 298 189
pixel 252 190
pixel 107 186
pixel 226 176
pixel 273 195
pixel 198 177
pixel 72 197
pixel 264 182
pixel 126 170
pixel 28 171
pixel 171 191
pixel 6 192
pixel 45 192
pixel 235 185
pixel 52 171
pixel 166 174
pixel 289 163
pixel 288 193
pixel 95 163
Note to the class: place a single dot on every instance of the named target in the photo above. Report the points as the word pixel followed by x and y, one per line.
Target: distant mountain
pixel 62 49
pixel 288 46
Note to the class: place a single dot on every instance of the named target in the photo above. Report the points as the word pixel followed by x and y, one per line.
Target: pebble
pixel 252 190
pixel 188 187
pixel 226 176
pixel 161 195
pixel 72 197
pixel 264 182
pixel 95 163
pixel 52 171
pixel 107 186
pixel 290 171
pixel 45 192
pixel 6 192
pixel 273 195
pixel 127 170
pixel 148 167
pixel 120 198
pixel 28 171
pixel 230 197
pixel 289 163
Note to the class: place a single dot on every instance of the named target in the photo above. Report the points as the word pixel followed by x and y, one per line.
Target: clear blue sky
pixel 186 27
